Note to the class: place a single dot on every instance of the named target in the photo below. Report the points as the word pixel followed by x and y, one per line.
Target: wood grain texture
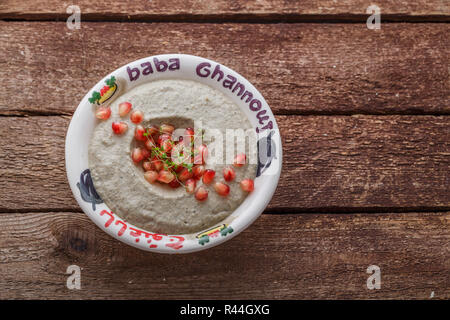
pixel 337 163
pixel 198 10
pixel 278 257
pixel 300 68
pixel 316 77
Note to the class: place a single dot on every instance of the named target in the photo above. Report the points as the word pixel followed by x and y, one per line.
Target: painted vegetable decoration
pixel 205 236
pixel 105 93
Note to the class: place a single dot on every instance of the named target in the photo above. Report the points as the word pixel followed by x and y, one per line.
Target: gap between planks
pixel 276 211
pixel 34 113
pixel 232 18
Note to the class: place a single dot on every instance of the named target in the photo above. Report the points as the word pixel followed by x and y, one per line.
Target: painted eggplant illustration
pixel 87 190
pixel 266 152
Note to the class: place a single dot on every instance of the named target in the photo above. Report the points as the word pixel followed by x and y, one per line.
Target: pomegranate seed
pixel 136 116
pixel 178 169
pixel 190 185
pixel 189 134
pixel 247 185
pixel 222 188
pixel 145 153
pixel 240 159
pixel 149 144
pixel 165 176
pixel 198 171
pixel 124 108
pixel 229 174
pixel 175 184
pixel 163 138
pixel 166 145
pixel 166 128
pixel 201 154
pixel 137 155
pixel 151 176
pixel 119 127
pixel 157 164
pixel 103 113
pixel 139 133
pixel 201 194
pixel 153 130
pixel 203 150
pixel 185 174
pixel 147 165
pixel 208 176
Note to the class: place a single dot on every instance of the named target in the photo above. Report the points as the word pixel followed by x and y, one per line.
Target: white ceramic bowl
pixel 178 66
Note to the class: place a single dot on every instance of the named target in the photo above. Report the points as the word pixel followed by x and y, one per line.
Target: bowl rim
pixel 80 181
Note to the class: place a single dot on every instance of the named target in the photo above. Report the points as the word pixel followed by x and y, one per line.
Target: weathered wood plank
pixel 364 161
pixel 253 10
pixel 332 163
pixel 292 257
pixel 47 68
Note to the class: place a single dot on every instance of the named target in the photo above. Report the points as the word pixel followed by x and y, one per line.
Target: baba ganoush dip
pixel 156 207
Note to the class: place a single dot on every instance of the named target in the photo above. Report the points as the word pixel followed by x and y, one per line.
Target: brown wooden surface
pixel 295 256
pixel 299 68
pixel 337 163
pixel 219 10
pixel 364 118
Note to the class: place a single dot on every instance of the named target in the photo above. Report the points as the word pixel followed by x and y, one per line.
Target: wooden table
pixel 364 118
